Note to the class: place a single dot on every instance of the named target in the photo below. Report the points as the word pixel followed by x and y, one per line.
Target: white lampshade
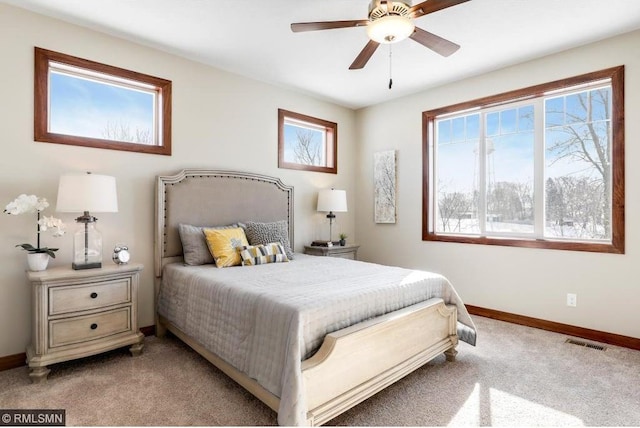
pixel 87 192
pixel 332 200
pixel 390 29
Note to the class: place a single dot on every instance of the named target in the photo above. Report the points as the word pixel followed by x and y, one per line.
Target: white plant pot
pixel 37 261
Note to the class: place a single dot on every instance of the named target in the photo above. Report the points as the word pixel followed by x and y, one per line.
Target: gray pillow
pixel 194 245
pixel 266 233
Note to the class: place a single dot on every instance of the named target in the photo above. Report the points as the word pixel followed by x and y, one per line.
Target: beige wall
pixel 529 282
pixel 220 120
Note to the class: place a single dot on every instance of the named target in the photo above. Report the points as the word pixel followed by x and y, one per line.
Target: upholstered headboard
pixel 203 197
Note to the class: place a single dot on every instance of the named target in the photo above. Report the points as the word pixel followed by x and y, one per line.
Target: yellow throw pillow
pixel 223 244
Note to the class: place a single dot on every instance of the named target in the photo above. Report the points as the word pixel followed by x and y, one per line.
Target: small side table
pixel 77 313
pixel 345 252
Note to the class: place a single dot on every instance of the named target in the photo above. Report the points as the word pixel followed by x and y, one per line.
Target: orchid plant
pixel 33 204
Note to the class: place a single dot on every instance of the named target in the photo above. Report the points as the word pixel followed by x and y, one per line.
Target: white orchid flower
pixel 41 204
pixel 33 204
pixel 53 223
pixel 26 204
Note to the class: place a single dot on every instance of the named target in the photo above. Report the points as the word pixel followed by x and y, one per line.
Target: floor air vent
pixel 585 344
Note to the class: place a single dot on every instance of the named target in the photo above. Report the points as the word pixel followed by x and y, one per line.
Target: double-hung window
pixel 539 167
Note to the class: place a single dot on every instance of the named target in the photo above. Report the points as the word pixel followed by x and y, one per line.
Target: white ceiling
pixel 253 38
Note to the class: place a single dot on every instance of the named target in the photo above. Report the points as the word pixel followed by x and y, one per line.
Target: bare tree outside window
pixel 308 147
pixel 544 169
pixel 455 211
pixel 307 143
pixel 575 207
pixel 579 143
pixel 118 131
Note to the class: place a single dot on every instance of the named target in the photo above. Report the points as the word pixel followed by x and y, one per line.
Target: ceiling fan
pixel 391 21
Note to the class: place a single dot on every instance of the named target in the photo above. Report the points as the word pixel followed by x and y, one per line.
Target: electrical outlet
pixel 572 300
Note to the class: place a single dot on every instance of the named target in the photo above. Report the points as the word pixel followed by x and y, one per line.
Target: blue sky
pixel 290 140
pixel 510 136
pixel 510 133
pixel 85 108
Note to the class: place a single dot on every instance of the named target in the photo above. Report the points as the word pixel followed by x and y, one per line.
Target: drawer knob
pixel 94 295
pixel 94 326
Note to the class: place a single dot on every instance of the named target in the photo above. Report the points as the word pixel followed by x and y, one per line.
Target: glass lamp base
pixel 87 244
pixel 80 266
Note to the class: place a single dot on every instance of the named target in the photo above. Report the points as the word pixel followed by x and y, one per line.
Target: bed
pixel 312 337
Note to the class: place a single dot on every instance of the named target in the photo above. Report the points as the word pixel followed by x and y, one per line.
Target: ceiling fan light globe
pixel 390 29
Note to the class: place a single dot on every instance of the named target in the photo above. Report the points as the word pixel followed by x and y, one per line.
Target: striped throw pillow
pixel 253 255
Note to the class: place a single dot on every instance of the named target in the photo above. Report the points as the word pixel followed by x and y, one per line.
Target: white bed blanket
pixel 266 319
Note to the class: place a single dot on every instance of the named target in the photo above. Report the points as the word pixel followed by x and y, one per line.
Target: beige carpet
pixel 516 376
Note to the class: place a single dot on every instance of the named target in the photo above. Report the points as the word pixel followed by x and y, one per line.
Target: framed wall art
pixel 384 176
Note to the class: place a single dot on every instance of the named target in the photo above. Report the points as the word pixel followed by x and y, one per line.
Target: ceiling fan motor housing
pixel 389 22
pixel 378 9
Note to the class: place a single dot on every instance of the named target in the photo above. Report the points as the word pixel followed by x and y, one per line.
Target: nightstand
pixel 77 313
pixel 345 252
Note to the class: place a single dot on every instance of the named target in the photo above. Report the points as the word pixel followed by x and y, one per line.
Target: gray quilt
pixel 266 319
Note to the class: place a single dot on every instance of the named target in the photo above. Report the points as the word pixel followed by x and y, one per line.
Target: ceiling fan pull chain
pixel 390 69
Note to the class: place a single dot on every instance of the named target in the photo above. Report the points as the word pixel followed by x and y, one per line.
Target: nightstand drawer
pixel 350 255
pixel 84 297
pixel 68 331
pixel 340 251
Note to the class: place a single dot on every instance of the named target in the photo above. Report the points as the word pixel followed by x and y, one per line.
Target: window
pixel 307 143
pixel 540 167
pixel 85 103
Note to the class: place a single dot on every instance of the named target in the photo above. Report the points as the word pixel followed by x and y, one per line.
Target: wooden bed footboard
pixel 358 361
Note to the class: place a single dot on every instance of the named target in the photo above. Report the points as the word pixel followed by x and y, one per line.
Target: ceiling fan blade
pixel 328 25
pixel 364 55
pixel 436 43
pixel 431 6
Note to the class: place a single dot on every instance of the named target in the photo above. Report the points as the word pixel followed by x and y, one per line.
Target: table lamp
pixel 331 200
pixel 84 193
